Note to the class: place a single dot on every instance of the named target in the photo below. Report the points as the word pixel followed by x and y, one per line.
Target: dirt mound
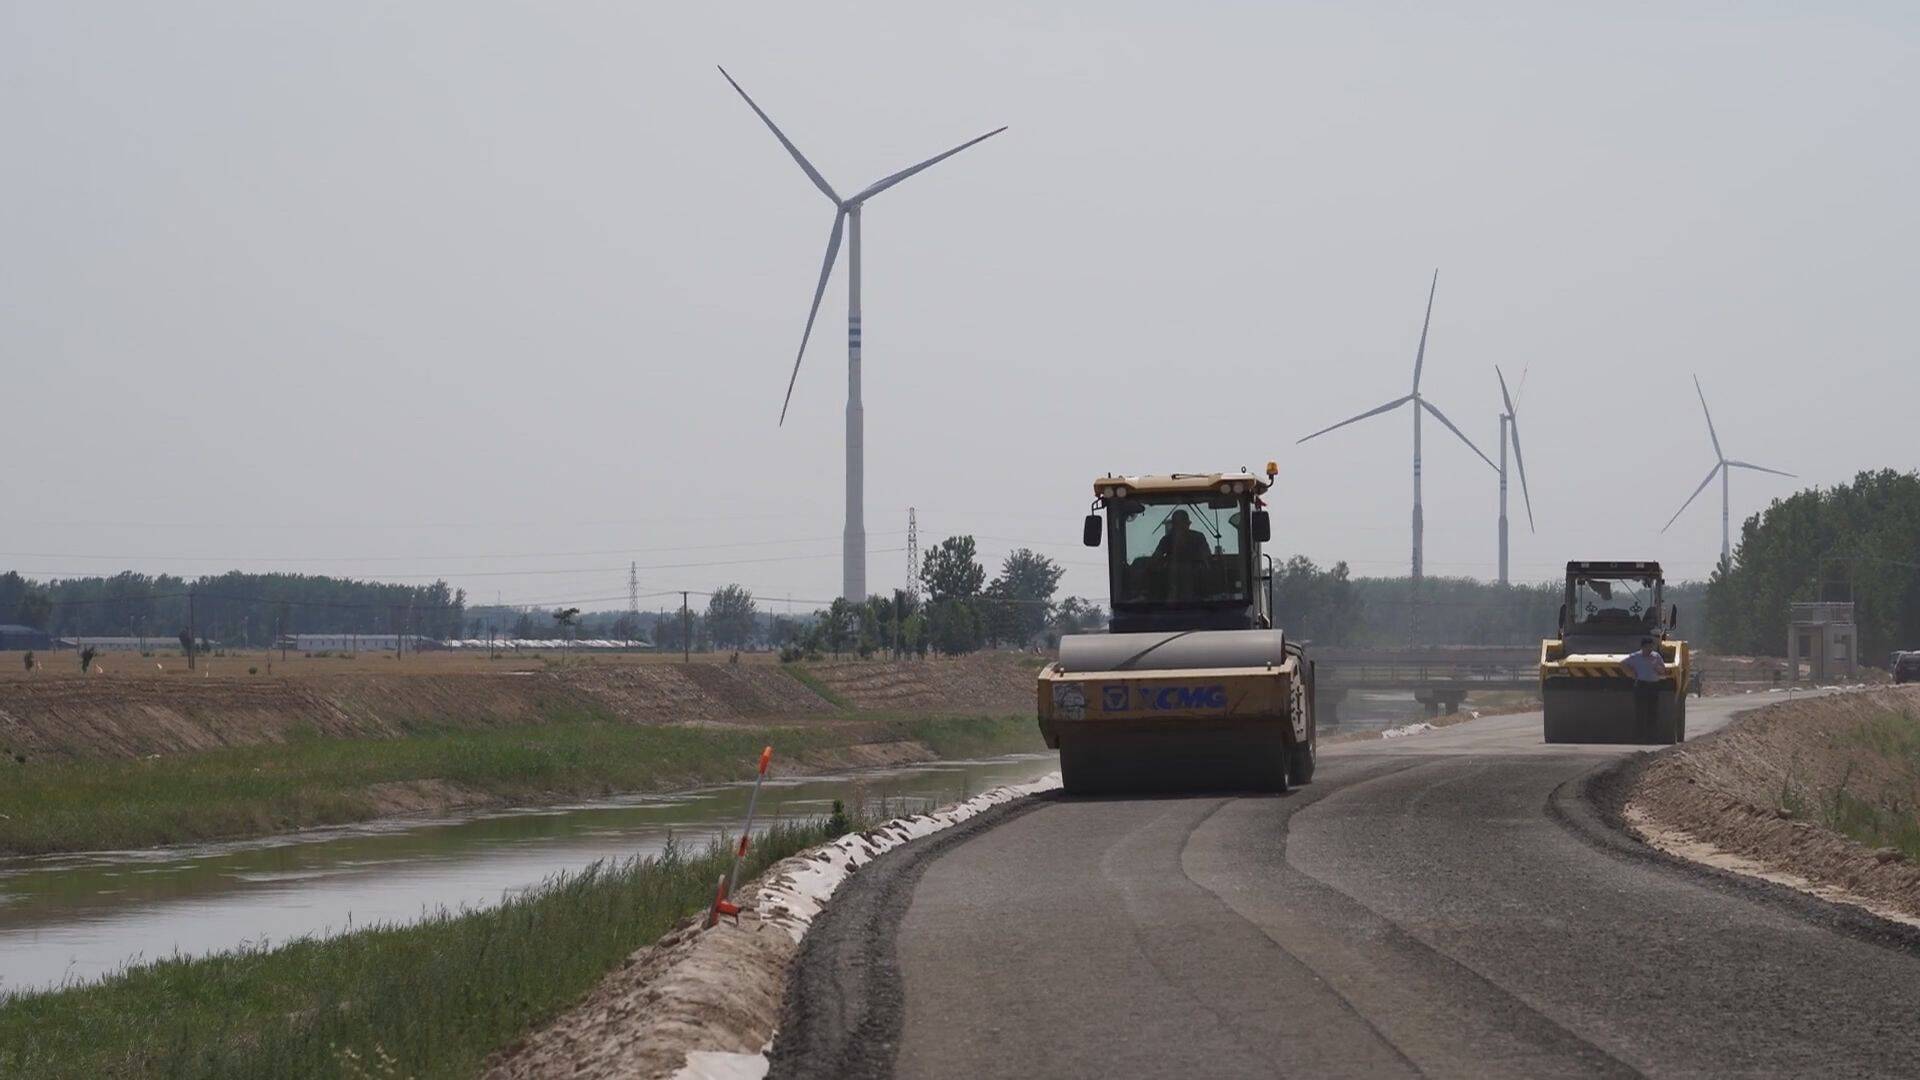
pixel 994 683
pixel 1775 788
pixel 114 716
pixel 110 717
pixel 669 693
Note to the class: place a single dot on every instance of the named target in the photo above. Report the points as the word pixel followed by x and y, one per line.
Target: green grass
pixel 255 790
pixel 812 682
pixel 1889 817
pixel 974 736
pixel 312 781
pixel 427 1000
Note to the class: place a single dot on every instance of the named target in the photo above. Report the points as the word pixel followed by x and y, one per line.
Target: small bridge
pixel 1440 677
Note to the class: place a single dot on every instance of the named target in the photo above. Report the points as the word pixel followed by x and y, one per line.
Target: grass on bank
pixel 1888 817
pixel 312 781
pixel 431 999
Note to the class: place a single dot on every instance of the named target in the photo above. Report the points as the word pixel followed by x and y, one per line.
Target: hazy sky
pixel 508 293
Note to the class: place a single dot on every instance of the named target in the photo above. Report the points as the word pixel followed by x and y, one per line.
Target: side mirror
pixel 1262 527
pixel 1090 532
pixel 1673 621
pixel 1563 620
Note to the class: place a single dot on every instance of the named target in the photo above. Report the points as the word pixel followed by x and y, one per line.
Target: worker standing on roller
pixel 1648 669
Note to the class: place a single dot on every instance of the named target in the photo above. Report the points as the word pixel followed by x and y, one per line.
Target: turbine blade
pixel 1420 357
pixel 1513 428
pixel 1757 468
pixel 879 186
pixel 812 173
pixel 1388 407
pixel 826 270
pixel 1442 417
pixel 1712 434
pixel 1711 473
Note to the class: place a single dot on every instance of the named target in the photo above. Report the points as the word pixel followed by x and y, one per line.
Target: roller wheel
pixel 1300 762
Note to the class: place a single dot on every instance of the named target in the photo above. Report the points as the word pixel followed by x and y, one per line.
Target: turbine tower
pixel 846 220
pixel 1510 430
pixel 1722 466
pixel 1419 403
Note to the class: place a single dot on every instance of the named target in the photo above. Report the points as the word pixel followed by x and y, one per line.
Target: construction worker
pixel 1648 669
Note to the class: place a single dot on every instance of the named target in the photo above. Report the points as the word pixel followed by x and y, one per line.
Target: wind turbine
pixel 1723 466
pixel 846 219
pixel 1510 429
pixel 1419 403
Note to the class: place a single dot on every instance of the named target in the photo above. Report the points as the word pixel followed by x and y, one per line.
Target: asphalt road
pixel 1450 904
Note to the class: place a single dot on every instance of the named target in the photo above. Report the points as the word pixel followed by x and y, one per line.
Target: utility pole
pixel 192 638
pixel 686 630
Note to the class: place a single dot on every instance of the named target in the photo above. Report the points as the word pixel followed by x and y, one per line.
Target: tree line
pixel 1328 606
pixel 233 608
pixel 1858 541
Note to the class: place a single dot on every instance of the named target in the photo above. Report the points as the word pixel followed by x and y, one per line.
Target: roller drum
pixel 1172 651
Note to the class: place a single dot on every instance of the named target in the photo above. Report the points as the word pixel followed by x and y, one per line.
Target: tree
pixel 954 627
pixel 1316 605
pixel 564 619
pixel 34 608
pixel 731 616
pixel 523 626
pixel 1023 595
pixel 838 625
pixel 952 571
pixel 1076 616
pixel 1861 540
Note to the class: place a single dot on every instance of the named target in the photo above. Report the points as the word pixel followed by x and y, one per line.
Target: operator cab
pixel 1183 551
pixel 1614 600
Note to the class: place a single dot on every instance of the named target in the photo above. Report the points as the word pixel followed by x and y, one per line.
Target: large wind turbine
pixel 1419 403
pixel 846 219
pixel 1510 430
pixel 1722 466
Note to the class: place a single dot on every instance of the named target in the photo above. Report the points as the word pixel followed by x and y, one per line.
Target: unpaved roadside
pixel 716 996
pixel 1770 795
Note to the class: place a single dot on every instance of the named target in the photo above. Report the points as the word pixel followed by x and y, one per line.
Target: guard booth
pixel 1823 636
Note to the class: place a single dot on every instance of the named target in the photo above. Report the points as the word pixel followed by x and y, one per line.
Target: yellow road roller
pixel 1609 609
pixel 1193 687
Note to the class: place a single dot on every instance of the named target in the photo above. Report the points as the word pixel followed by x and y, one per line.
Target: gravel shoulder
pixel 1776 793
pixel 708 1002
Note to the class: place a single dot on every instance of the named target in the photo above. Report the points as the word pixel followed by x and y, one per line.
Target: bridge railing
pixel 1416 673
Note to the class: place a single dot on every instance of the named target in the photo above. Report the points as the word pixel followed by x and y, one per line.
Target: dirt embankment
pixel 1822 793
pixel 118 717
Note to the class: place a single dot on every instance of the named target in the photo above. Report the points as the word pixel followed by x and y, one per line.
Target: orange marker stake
pixel 721 904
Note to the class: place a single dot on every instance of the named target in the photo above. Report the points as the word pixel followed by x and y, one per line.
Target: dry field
pixel 65 663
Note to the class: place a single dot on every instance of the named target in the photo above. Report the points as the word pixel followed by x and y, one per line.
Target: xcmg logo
pixel 1183 697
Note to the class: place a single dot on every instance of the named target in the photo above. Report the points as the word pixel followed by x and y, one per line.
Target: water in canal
pixel 78 917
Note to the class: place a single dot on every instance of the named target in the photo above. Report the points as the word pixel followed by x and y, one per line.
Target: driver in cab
pixel 1185 554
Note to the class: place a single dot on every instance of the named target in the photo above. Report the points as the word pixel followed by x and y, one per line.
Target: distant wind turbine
pixel 1722 466
pixel 1510 429
pixel 846 219
pixel 1419 403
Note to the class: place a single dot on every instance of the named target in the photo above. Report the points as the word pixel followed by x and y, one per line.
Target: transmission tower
pixel 633 600
pixel 913 554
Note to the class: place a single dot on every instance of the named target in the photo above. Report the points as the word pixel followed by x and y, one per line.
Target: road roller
pixel 1193 687
pixel 1608 609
